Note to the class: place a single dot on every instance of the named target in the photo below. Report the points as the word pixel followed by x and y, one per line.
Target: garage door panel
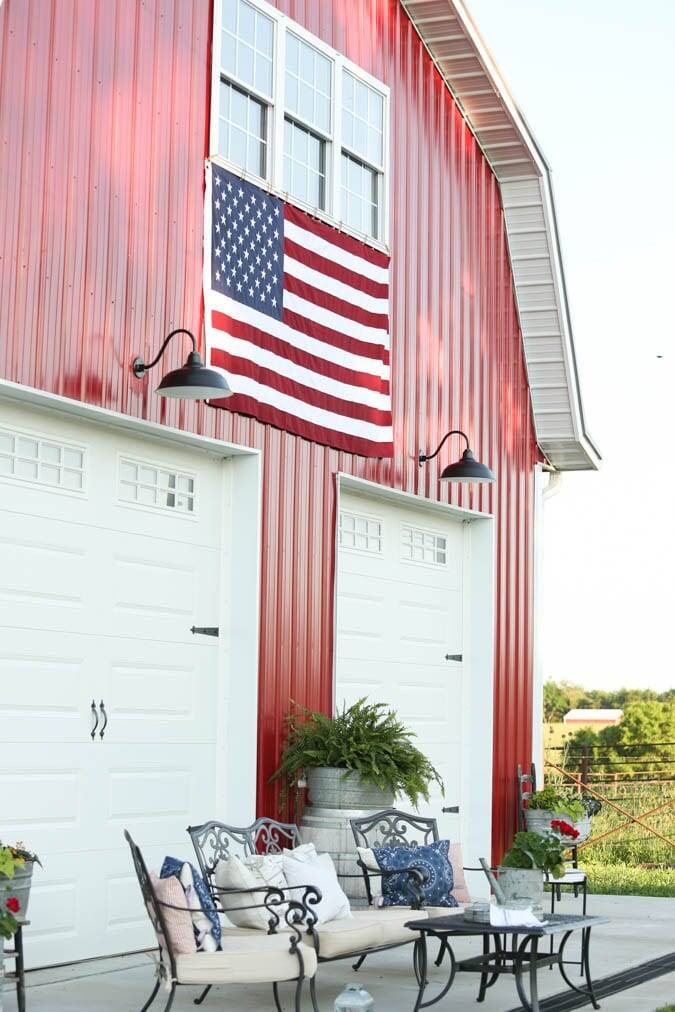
pixel 48 797
pixel 154 796
pixel 153 697
pixel 46 694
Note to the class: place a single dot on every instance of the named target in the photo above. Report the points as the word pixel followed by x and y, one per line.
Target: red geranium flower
pixel 13 905
pixel 564 828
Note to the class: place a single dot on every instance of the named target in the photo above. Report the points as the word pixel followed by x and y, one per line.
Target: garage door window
pixel 418 545
pixel 146 484
pixel 360 533
pixel 29 458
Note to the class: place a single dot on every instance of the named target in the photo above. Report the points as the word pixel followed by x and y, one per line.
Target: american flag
pixel 297 318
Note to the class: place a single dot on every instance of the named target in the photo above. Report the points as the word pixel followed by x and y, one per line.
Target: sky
pixel 595 80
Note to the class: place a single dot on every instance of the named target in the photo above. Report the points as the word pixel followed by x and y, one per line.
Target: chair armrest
pixel 274 898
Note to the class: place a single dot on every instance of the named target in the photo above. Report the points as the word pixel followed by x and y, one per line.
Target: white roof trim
pixel 469 70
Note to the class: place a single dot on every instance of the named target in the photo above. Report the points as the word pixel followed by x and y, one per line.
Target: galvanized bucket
pixel 18 887
pixel 335 797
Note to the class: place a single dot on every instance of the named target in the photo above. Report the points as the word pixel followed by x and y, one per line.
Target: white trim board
pixel 471 73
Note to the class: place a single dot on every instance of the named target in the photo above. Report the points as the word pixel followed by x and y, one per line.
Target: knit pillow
pixel 178 921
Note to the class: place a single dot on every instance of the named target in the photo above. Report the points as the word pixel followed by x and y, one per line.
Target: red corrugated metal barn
pixel 128 518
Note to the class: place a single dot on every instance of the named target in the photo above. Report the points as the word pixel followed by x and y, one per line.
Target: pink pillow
pixel 459 889
pixel 178 924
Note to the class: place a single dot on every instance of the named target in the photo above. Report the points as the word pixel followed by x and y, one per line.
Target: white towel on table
pixel 503 917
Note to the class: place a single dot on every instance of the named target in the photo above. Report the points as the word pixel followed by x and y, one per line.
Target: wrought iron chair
pixel 283 955
pixel 214 841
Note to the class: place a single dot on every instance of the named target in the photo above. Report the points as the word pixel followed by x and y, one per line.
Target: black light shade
pixel 467 469
pixel 193 382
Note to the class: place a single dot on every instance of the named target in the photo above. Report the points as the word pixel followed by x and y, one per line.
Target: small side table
pixel 16 953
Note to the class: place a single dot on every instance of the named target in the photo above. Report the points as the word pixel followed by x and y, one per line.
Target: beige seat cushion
pixel 366 929
pixel 252 959
pixel 393 920
pixel 443 911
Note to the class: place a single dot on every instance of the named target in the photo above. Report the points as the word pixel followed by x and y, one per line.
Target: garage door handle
pixel 451 809
pixel 105 724
pixel 204 630
pixel 95 712
pixel 453 657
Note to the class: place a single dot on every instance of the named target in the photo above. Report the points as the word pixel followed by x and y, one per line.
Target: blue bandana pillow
pixel 205 921
pixel 435 865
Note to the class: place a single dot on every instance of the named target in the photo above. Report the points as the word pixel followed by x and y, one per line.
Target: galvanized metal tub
pixel 538 820
pixel 336 796
pixel 18 887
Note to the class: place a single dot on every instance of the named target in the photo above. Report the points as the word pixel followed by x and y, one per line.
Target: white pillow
pixel 368 858
pixel 269 868
pixel 318 870
pixel 232 873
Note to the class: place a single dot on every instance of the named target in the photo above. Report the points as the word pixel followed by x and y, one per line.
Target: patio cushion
pixel 250 959
pixel 434 861
pixel 178 921
pixel 365 929
pixel 459 888
pixel 205 920
pixel 392 921
pixel 232 873
pixel 318 870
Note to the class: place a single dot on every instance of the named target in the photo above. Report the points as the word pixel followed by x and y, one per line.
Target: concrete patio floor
pixel 640 929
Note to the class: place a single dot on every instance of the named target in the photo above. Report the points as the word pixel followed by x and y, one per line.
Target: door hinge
pixel 205 630
pixel 453 657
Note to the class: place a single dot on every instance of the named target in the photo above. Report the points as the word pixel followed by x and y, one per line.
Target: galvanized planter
pixel 522 885
pixel 538 820
pixel 18 887
pixel 336 796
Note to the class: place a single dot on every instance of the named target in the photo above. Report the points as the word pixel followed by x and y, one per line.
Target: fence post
pixel 584 767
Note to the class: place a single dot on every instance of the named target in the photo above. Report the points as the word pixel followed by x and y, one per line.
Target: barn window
pixel 40 461
pixel 294 114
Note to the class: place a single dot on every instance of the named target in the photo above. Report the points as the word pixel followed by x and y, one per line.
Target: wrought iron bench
pixel 245 959
pixel 367 931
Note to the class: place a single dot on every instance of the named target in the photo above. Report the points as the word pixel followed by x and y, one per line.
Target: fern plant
pixel 365 738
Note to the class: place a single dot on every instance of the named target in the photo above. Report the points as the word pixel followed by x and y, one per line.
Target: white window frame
pixel 276 112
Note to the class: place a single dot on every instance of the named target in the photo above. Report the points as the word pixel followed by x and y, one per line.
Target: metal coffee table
pixel 505 950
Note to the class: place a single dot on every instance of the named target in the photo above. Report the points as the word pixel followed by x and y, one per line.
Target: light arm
pixel 430 456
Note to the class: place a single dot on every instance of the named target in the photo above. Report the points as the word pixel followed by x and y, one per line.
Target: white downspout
pixel 542 491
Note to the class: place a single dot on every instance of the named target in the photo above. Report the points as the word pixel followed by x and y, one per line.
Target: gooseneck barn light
pixel 194 382
pixel 467 468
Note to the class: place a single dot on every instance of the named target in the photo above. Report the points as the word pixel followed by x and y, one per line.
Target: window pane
pixel 308 83
pixel 247 44
pixel 359 196
pixel 362 119
pixel 242 129
pixel 304 164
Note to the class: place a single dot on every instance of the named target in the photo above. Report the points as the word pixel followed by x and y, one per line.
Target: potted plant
pixel 9 904
pixel 533 854
pixel 353 763
pixel 20 861
pixel 557 802
pixel 362 757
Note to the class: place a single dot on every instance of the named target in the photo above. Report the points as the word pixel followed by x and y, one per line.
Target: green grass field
pixel 628 880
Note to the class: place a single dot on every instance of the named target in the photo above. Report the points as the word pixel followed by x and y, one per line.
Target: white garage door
pixel 110 551
pixel 400 616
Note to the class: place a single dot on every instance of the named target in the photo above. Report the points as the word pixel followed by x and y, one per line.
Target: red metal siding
pixel 103 127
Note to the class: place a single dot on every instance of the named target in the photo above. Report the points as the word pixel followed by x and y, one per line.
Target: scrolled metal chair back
pixel 213 842
pixel 271 837
pixel 393 828
pixel 152 904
